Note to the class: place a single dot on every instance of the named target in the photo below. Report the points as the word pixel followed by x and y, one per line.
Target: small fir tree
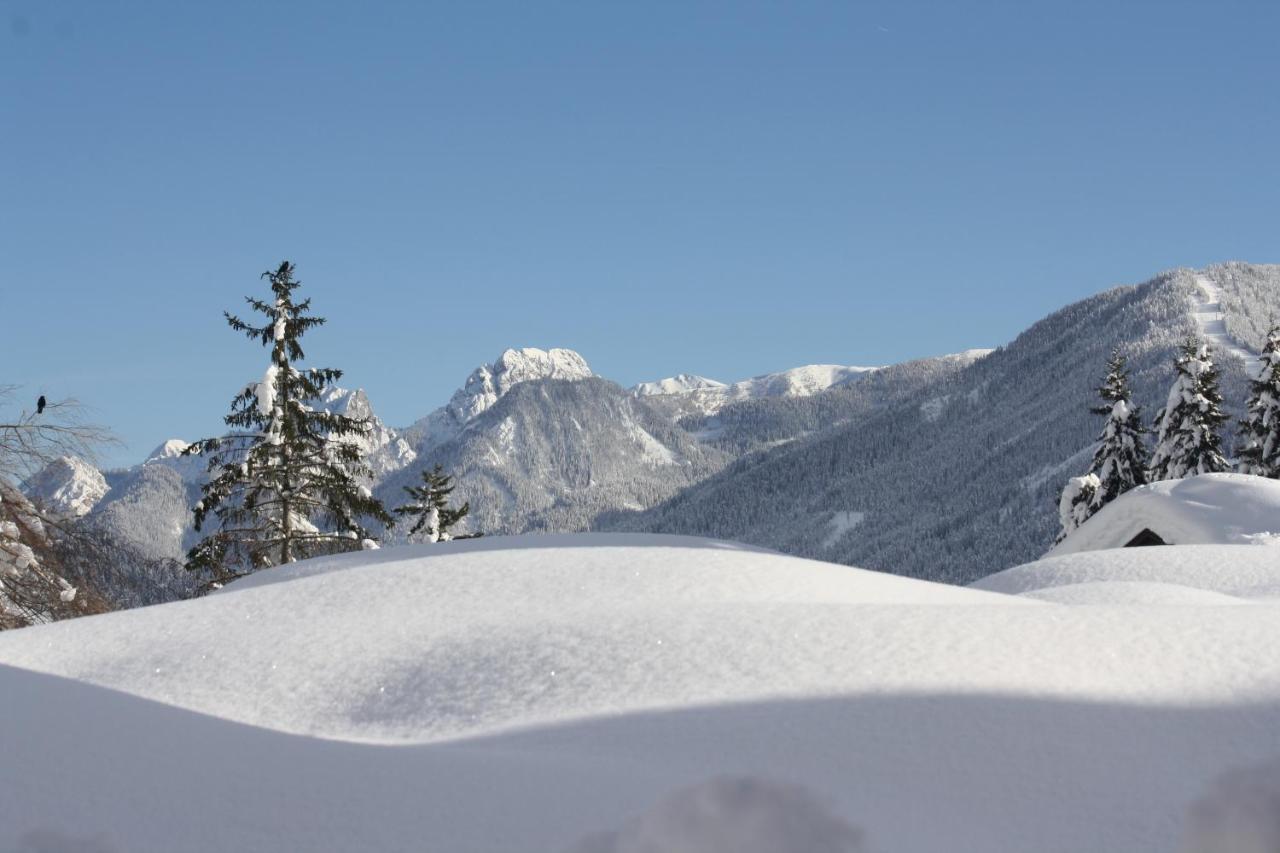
pixel 1188 441
pixel 1260 430
pixel 430 505
pixel 1120 462
pixel 286 481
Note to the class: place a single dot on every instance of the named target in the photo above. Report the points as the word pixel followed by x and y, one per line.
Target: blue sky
pixel 718 188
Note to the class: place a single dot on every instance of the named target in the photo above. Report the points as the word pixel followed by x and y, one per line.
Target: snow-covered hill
pixel 540 693
pixel 962 476
pixel 709 396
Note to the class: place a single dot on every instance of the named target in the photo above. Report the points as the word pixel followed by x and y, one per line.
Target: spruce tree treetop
pixel 1188 441
pixel 1259 452
pixel 430 505
pixel 287 481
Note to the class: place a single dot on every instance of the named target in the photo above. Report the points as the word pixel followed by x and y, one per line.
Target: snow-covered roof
pixel 1202 510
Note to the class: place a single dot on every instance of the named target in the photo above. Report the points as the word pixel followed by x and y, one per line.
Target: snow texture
pixel 1250 572
pixel 732 815
pixel 533 692
pixel 1240 813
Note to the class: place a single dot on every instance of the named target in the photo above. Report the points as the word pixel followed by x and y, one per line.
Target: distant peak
pixel 679 384
pixel 488 382
pixel 171 449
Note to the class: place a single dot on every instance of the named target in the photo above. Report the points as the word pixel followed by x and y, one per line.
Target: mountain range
pixel 944 468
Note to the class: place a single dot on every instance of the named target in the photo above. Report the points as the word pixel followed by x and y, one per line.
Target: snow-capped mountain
pixel 487 384
pixel 552 447
pixel 679 384
pixel 68 486
pixel 550 454
pixel 385 451
pixel 961 476
pixel 875 466
pixel 708 396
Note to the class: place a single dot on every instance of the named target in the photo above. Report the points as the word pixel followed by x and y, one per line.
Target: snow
pixel 841 523
pixel 597 693
pixel 710 396
pixel 1240 813
pixel 67 486
pixel 933 408
pixel 732 815
pixel 1204 509
pixel 1238 571
pixel 1130 592
pixel 490 381
pixel 1207 312
pixel 266 391
pixel 680 384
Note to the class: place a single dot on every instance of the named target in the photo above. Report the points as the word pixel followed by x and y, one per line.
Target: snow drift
pixel 544 693
pixel 1200 510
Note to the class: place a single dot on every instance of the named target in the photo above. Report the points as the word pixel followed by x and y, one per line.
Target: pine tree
pixel 1260 430
pixel 287 479
pixel 1187 427
pixel 431 506
pixel 1120 462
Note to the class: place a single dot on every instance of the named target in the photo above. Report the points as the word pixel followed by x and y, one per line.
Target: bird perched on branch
pixel 40 404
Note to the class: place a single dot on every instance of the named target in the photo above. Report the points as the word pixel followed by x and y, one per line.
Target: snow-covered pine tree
pixel 430 505
pixel 1259 452
pixel 1187 439
pixel 1121 458
pixel 286 481
pixel 1120 461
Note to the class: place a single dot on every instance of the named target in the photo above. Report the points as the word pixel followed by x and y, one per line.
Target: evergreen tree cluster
pixel 1187 430
pixel 288 481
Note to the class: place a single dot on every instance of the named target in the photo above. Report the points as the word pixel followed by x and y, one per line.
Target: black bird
pixel 40 404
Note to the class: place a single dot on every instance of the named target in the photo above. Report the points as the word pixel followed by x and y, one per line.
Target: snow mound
pixel 732 815
pixel 520 694
pixel 1200 510
pixel 438 641
pixel 1241 571
pixel 1131 592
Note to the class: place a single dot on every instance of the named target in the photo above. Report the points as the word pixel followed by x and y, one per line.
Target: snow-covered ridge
pixel 710 394
pixel 1210 319
pixel 679 384
pixel 68 486
pixel 968 356
pixel 804 381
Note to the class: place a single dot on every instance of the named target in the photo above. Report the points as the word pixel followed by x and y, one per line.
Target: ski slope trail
pixel 1212 322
